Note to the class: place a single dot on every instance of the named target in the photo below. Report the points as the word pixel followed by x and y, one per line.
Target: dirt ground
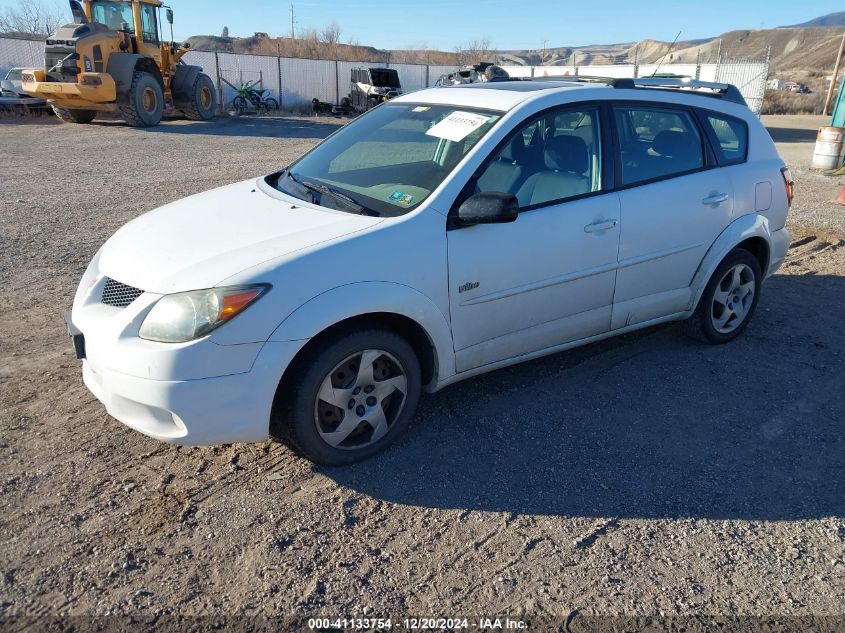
pixel 643 476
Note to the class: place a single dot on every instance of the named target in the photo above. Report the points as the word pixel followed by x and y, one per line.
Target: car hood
pixel 202 240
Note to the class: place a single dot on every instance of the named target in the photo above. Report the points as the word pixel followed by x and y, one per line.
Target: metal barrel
pixel 830 148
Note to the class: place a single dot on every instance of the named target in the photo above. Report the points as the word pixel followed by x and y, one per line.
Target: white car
pixel 446 233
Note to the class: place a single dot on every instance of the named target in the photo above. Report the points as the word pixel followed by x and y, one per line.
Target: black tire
pixel 203 101
pixel 146 101
pixel 271 104
pixel 75 116
pixel 295 416
pixel 239 103
pixel 702 324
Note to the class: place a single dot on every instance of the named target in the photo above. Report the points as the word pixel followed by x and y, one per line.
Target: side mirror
pixel 169 14
pixel 488 207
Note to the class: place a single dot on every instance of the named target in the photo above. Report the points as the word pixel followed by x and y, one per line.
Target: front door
pixel 547 278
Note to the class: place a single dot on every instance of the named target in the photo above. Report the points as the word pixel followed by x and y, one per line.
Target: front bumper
pixel 219 410
pixel 99 92
pixel 192 393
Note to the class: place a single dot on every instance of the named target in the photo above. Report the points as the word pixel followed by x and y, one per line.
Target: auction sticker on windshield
pixel 457 126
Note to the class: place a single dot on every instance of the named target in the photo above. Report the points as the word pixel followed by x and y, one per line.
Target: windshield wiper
pixel 287 174
pixel 350 203
pixel 347 201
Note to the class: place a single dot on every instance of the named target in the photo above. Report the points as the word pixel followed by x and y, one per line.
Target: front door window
pixel 148 23
pixel 115 15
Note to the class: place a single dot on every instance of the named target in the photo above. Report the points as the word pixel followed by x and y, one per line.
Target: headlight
pixel 185 316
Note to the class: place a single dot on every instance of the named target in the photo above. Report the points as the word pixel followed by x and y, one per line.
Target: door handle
pixel 600 226
pixel 715 199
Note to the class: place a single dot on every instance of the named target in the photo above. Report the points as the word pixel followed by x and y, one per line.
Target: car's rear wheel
pixel 729 299
pixel 350 397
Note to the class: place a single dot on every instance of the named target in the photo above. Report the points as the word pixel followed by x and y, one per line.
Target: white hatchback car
pixel 446 233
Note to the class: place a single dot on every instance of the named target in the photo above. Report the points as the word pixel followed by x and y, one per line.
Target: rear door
pixel 674 203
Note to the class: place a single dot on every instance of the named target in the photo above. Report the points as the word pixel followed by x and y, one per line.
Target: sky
pixel 508 24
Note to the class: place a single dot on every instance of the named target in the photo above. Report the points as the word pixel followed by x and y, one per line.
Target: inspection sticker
pixel 402 199
pixel 458 125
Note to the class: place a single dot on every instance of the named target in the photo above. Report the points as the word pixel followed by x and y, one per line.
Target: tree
pixel 330 34
pixel 33 17
pixel 225 32
pixel 474 52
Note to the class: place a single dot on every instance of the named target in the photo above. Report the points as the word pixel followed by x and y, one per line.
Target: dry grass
pixel 783 102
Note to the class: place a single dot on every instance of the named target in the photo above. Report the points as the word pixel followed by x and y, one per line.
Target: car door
pixel 674 204
pixel 548 277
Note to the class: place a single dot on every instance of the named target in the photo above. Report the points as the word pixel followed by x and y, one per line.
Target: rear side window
pixel 731 137
pixel 657 143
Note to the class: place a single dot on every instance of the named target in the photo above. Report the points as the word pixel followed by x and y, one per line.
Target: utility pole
pixel 835 77
pixel 292 33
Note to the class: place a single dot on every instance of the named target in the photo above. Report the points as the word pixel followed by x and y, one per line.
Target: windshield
pixel 385 78
pixel 14 74
pixel 115 15
pixel 387 162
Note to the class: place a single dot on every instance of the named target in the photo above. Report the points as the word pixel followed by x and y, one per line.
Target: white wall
pixel 298 81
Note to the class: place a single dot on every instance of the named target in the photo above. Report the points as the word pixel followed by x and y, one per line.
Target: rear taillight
pixel 789 184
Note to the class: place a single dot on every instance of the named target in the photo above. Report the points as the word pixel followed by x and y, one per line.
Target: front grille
pixel 51 58
pixel 119 295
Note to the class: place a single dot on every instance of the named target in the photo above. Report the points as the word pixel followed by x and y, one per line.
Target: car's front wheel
pixel 729 299
pixel 349 397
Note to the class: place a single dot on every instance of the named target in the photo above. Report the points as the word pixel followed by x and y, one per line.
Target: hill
pixel 831 19
pixel 313 47
pixel 790 48
pixel 809 47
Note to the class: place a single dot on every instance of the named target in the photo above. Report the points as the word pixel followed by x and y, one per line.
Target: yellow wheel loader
pixel 112 59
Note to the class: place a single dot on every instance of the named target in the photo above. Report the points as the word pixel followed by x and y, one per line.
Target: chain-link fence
pixel 748 75
pixel 295 82
pixel 20 53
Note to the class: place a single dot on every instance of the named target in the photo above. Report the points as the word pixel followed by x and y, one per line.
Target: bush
pixel 784 102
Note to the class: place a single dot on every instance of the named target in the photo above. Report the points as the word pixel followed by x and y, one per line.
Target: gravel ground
pixel 642 476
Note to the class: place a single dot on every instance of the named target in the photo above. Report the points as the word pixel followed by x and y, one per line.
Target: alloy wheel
pixel 733 299
pixel 360 399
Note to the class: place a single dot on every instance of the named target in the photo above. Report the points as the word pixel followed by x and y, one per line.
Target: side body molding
pixel 744 227
pixel 356 299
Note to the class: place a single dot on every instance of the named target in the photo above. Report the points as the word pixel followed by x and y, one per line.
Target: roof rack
pixel 728 92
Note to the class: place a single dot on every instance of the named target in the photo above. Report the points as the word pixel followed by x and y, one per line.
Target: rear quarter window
pixel 731 136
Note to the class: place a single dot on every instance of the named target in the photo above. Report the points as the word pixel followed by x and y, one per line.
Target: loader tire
pixel 203 101
pixel 146 101
pixel 75 116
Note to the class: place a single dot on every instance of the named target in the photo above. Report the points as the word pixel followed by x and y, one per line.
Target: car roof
pixel 493 95
pixel 504 96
